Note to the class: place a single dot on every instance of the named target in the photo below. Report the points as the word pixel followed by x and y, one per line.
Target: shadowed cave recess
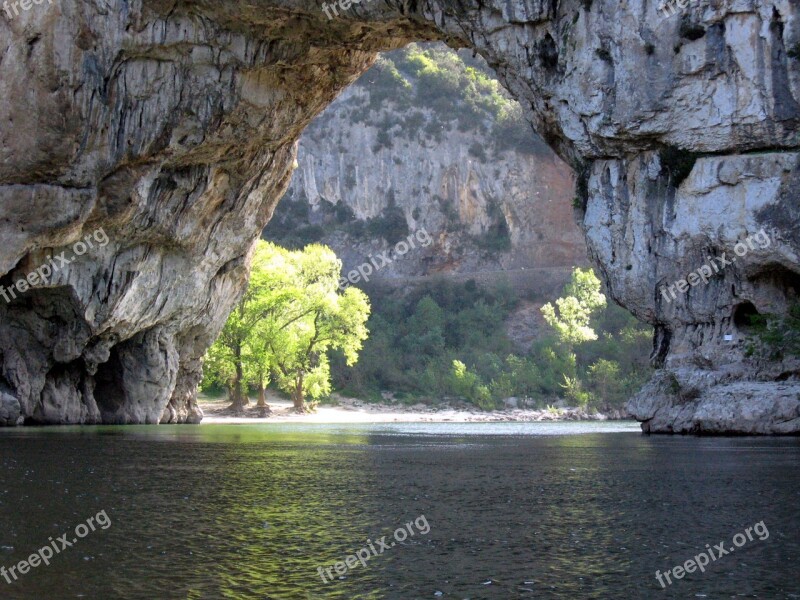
pixel 172 126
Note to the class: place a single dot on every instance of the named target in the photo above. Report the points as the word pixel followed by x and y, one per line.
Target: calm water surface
pixel 566 510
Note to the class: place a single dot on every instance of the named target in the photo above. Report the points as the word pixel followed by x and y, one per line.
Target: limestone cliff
pixel 172 126
pixel 496 202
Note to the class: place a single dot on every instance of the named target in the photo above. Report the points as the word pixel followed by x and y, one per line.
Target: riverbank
pixel 351 410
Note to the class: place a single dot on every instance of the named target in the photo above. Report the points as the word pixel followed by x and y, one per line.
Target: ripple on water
pixel 556 510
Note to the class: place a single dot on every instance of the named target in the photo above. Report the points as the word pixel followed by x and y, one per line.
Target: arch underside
pixel 172 126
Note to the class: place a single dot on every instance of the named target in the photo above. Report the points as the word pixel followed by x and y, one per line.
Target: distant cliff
pixel 426 140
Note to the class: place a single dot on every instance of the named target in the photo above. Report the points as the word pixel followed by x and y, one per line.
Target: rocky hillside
pixel 427 141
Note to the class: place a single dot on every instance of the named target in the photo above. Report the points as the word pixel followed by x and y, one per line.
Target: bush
pixel 677 164
pixel 385 84
pixel 513 132
pixel 496 240
pixel 574 392
pixel 476 150
pixel 391 225
pixel 606 382
pixel 448 339
pixel 453 87
pixel 466 384
pixel 775 336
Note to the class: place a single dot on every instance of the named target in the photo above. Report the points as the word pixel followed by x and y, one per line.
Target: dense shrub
pixel 775 336
pixel 448 339
pixel 446 87
pixel 677 164
pixel 391 225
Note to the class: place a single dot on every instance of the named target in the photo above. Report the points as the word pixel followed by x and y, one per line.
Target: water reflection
pixel 252 511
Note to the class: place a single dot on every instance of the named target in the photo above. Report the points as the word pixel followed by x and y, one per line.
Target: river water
pixel 565 510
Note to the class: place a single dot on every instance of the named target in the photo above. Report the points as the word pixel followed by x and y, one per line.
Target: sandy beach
pixel 350 410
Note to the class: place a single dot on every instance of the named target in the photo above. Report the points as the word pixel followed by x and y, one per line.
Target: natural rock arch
pixel 171 125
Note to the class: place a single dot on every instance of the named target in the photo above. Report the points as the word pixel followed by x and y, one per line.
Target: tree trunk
pixel 297 395
pixel 238 394
pixel 262 397
pixel 262 408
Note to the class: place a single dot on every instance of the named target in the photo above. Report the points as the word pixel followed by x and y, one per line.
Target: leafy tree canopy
pixel 582 299
pixel 291 316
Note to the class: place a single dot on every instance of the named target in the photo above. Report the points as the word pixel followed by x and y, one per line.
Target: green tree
pixel 308 315
pixel 425 335
pixel 292 315
pixel 466 384
pixel 775 336
pixel 231 361
pixel 582 299
pixel 606 380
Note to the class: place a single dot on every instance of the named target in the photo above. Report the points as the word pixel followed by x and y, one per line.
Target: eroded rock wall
pixel 697 261
pixel 171 125
pixel 171 128
pixel 490 208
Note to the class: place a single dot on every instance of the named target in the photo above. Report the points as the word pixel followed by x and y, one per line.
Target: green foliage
pixel 391 225
pixel 677 164
pixel 512 132
pixel 343 213
pixel 417 335
pixel 599 355
pixel 555 362
pixel 497 237
pixel 447 339
pixel 605 377
pixel 282 330
pixel 574 392
pixel 476 150
pixel 417 338
pixel 386 84
pixel 582 299
pixel 382 140
pixel 775 336
pixel 290 227
pixel 452 87
pixel 467 385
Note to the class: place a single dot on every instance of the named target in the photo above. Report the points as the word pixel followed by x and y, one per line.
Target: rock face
pixel 491 209
pixel 171 126
pixel 730 231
